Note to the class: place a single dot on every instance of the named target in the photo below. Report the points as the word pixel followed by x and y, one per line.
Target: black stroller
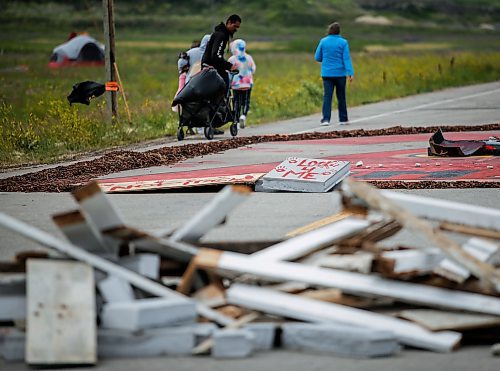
pixel 204 103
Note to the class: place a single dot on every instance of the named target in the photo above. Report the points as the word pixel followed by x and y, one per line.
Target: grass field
pixel 38 125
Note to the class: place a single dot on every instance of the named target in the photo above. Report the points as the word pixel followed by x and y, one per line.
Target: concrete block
pixel 264 334
pixel 232 343
pixel 147 265
pixel 306 175
pixel 114 343
pixel 12 344
pixel 148 313
pixel 114 289
pixel 339 339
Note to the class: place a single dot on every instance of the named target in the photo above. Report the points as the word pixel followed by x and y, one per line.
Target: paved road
pixel 272 215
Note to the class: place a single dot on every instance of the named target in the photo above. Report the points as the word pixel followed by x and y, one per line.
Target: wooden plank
pixel 450 248
pixel 320 223
pixel 146 242
pixel 109 56
pixel 292 306
pixel 76 229
pixel 437 320
pixel 213 214
pixel 107 266
pixel 99 212
pixel 354 283
pixel 304 244
pixel 61 313
pixel 473 231
pixel 206 345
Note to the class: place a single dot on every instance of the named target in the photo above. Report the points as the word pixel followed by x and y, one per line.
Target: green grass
pixel 38 125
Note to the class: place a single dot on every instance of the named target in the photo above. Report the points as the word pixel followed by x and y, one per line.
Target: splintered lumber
pixel 450 248
pixel 446 211
pixel 61 313
pixel 144 241
pixel 372 234
pixel 310 310
pixel 306 243
pixel 437 320
pixel 349 282
pixel 212 214
pixel 75 252
pixel 410 261
pixel 479 248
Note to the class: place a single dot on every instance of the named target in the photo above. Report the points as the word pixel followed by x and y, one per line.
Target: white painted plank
pixel 80 233
pixel 480 248
pixel 303 244
pixel 360 284
pixel 212 214
pixel 135 279
pixel 61 313
pixel 437 320
pixel 449 211
pixel 413 260
pixel 288 305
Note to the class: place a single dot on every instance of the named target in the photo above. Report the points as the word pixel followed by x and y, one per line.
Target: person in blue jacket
pixel 333 54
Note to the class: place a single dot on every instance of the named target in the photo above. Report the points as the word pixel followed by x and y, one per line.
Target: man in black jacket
pixel 214 53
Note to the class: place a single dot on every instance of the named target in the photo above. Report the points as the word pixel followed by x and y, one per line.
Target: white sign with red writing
pixel 306 175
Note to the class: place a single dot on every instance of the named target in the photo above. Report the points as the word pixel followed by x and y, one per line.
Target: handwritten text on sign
pixel 306 169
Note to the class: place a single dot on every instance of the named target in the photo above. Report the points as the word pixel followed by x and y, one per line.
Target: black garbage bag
pixel 206 85
pixel 83 92
pixel 197 113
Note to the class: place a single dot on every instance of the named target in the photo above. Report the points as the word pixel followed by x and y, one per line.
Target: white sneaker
pixel 201 131
pixel 324 123
pixel 344 123
pixel 242 121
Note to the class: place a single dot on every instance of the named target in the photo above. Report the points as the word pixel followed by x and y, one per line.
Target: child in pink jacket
pixel 242 82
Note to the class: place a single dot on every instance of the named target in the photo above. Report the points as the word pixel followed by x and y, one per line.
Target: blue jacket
pixel 333 53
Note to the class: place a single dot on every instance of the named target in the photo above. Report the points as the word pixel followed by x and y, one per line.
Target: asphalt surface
pixel 266 216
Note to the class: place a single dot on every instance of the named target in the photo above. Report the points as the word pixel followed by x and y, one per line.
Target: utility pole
pixel 109 57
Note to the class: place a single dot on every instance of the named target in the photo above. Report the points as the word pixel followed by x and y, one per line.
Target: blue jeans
pixel 329 84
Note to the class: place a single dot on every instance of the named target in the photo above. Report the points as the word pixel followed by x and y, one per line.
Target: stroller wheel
pixel 233 129
pixel 209 132
pixel 180 134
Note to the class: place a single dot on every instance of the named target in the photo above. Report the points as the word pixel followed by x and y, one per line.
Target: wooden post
pixel 122 90
pixel 109 57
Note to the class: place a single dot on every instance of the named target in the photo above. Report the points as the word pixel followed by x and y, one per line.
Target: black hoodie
pixel 214 53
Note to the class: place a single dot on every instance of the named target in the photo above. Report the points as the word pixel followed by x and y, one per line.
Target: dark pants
pixel 329 84
pixel 241 103
pixel 225 77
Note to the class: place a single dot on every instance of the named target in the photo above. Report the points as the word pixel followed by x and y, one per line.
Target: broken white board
pixel 61 313
pixel 306 175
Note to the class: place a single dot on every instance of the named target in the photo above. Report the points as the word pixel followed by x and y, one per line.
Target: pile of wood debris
pixel 339 285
